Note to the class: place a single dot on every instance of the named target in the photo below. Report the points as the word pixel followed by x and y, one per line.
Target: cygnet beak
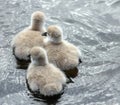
pixel 44 34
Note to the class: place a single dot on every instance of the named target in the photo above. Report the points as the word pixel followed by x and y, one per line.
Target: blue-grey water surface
pixel 92 25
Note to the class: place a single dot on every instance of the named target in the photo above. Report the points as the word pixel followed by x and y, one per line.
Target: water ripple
pixel 92 25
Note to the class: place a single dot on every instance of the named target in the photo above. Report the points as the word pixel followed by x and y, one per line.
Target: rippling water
pixel 92 25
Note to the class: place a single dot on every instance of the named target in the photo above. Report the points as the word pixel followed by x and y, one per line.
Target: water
pixel 92 25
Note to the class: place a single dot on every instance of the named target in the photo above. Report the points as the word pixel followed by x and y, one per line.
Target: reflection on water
pixel 48 100
pixel 92 25
pixel 72 72
pixel 22 64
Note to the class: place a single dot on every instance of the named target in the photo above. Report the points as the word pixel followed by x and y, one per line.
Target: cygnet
pixel 29 37
pixel 61 53
pixel 42 76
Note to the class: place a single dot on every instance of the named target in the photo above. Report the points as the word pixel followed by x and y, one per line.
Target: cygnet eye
pixel 55 34
pixel 49 34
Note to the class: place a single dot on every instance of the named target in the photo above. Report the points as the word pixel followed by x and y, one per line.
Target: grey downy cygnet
pixel 29 37
pixel 43 76
pixel 61 53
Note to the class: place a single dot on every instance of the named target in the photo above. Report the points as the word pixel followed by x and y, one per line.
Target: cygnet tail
pixel 22 53
pixel 52 89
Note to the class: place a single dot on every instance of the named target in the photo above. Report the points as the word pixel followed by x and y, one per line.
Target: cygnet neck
pixel 39 62
pixel 36 25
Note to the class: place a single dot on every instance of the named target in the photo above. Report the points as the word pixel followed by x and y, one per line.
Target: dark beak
pixel 44 34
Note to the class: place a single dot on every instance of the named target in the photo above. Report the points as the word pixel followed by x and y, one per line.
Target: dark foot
pixel 80 61
pixel 69 80
pixel 72 73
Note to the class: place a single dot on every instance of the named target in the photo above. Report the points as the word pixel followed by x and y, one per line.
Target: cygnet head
pixel 37 20
pixel 55 34
pixel 38 56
